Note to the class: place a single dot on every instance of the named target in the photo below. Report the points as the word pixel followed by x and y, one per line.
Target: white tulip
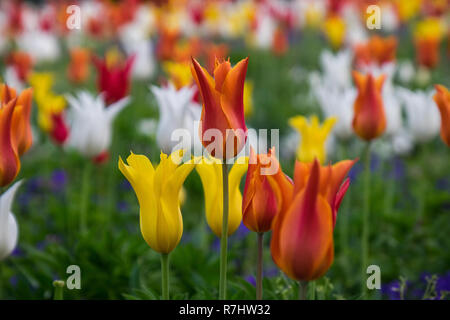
pixel 91 123
pixel 8 225
pixel 423 119
pixel 41 45
pixel 12 79
pixel 177 111
pixel 336 68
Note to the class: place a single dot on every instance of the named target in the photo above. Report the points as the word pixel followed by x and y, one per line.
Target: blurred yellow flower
pixel 210 171
pixel 408 9
pixel 334 28
pixel 47 102
pixel 313 137
pixel 179 73
pixel 430 28
pixel 158 193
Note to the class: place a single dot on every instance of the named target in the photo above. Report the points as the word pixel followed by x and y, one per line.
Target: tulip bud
pixel 369 120
pixel 442 99
pixel 223 131
pixel 260 204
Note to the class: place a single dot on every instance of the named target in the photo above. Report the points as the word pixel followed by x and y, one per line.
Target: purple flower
pixel 58 179
pixel 251 279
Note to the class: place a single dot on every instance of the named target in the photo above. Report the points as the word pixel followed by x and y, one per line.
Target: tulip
pixel 376 51
pixel 336 69
pixel 9 160
pixel 177 111
pixel 334 28
pixel 91 126
pixel 78 70
pixel 223 107
pixel 22 63
pixel 113 78
pixel 8 224
pixel 313 137
pixel 442 99
pixel 427 38
pixel 302 238
pixel 260 204
pixel 157 190
pixel 179 73
pixel 423 121
pixel 369 120
pixel 210 173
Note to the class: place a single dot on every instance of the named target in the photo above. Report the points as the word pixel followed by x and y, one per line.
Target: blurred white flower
pixel 402 143
pixel 336 68
pixel 41 45
pixel 91 123
pixel 406 71
pixel 338 103
pixel 147 127
pixel 423 120
pixel 266 27
pixel 8 225
pixel 144 63
pixel 389 17
pixel 176 111
pixel 12 79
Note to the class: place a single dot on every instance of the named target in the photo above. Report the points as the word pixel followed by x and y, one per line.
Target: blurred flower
pixel 11 77
pixel 376 50
pixel 369 120
pixel 42 46
pixel 334 29
pixel 8 224
pixel 423 121
pixel 280 41
pixel 157 191
pixel 408 9
pixel 177 111
pixel 427 38
pixel 210 171
pixel 302 233
pixel 113 78
pixel 223 106
pixel 179 73
pixel 21 62
pixel 78 70
pixel 91 123
pixel 313 137
pixel 260 205
pixel 336 69
pixel 442 99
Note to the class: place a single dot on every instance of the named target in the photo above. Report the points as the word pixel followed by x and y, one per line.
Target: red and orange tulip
pixel 377 50
pixel 369 120
pixel 427 39
pixel 260 204
pixel 223 107
pixel 15 131
pixel 113 80
pixel 302 240
pixel 442 99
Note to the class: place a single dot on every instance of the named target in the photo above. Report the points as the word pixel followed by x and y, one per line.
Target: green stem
pixel 313 290
pixel 259 268
pixel 224 238
pixel 303 290
pixel 85 190
pixel 365 226
pixel 165 275
pixel 58 285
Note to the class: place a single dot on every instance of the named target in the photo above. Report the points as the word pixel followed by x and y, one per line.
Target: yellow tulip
pixel 210 171
pixel 313 137
pixel 179 73
pixel 335 28
pixel 158 192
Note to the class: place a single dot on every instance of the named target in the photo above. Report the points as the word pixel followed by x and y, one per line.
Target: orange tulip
pixel 223 107
pixel 22 138
pixel 369 120
pixel 377 50
pixel 442 99
pixel 302 240
pixel 78 70
pixel 9 159
pixel 22 63
pixel 427 52
pixel 260 205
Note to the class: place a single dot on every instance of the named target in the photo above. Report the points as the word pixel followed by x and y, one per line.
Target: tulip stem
pixel 58 285
pixel 84 203
pixel 365 222
pixel 303 290
pixel 165 275
pixel 224 238
pixel 259 270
